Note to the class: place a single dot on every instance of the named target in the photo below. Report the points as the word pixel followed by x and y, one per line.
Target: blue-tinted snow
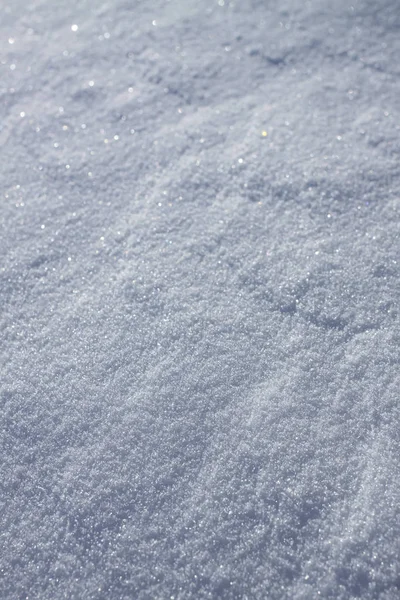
pixel 199 300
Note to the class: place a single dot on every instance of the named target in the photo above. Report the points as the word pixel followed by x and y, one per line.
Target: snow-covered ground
pixel 199 287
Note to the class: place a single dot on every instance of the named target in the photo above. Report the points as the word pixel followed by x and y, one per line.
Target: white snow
pixel 199 287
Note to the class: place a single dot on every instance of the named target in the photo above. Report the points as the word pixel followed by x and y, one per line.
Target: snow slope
pixel 199 288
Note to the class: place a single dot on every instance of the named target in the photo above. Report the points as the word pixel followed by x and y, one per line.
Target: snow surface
pixel 199 287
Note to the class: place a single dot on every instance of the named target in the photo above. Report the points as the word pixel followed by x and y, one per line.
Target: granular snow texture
pixel 199 287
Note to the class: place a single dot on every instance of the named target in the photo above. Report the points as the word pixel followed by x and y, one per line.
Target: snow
pixel 199 286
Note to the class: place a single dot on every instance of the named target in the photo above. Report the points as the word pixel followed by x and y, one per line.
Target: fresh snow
pixel 199 286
